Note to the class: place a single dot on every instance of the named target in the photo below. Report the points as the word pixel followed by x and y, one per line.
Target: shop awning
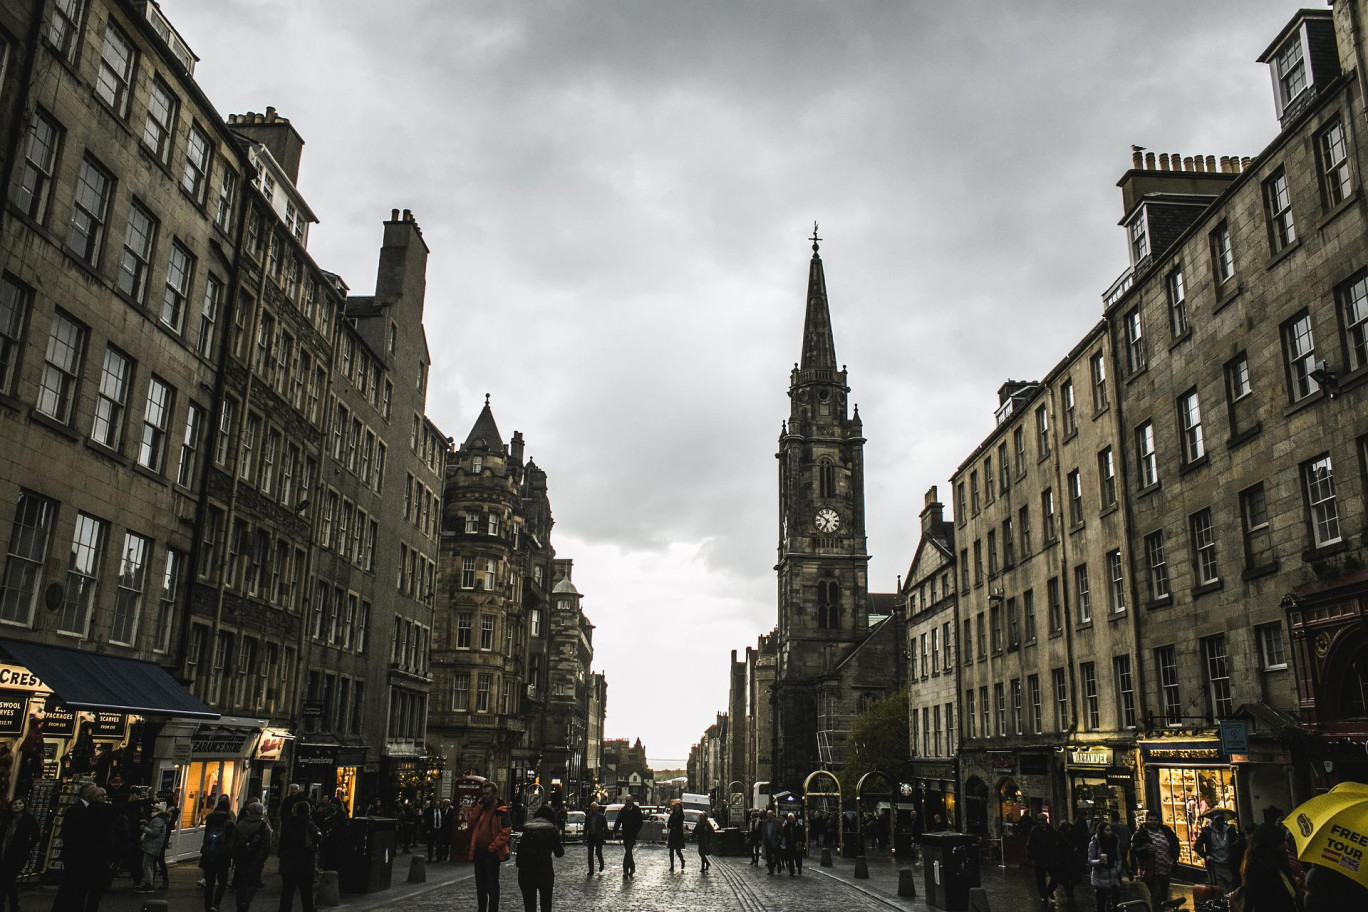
pixel 103 683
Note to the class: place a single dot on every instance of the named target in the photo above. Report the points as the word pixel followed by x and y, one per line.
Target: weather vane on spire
pixel 815 238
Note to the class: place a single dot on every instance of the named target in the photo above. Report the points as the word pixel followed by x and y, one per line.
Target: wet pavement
pixel 732 884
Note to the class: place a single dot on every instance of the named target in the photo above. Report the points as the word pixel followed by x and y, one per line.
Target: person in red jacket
pixel 489 835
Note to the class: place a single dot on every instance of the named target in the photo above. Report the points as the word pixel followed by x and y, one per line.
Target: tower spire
pixel 819 349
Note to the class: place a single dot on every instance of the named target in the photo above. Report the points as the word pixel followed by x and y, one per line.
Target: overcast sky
pixel 617 196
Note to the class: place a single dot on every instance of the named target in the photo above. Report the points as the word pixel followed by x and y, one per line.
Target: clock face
pixel 827 520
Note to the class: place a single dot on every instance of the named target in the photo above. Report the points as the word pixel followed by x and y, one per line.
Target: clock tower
pixel 822 560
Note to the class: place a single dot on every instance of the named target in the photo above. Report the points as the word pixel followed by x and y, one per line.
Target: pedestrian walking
pixel 1221 846
pixel 1269 883
pixel 1065 864
pixel 1040 846
pixel 298 853
pixel 703 835
pixel 792 844
pixel 753 835
pixel 540 842
pixel 293 796
pixel 17 842
pixel 331 821
pixel 628 823
pixel 151 842
pixel 489 835
pixel 87 831
pixel 215 859
pixel 432 825
pixel 674 835
pixel 408 824
pixel 1104 865
pixel 1154 851
pixel 250 847
pixel 771 838
pixel 595 834
pixel 1122 830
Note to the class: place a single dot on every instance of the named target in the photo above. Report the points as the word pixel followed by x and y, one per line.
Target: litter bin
pixel 950 862
pixel 367 858
pixel 732 842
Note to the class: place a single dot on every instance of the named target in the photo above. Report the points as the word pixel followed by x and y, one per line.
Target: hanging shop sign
pixel 58 720
pixel 272 744
pixel 1235 736
pixel 13 713
pixel 1002 761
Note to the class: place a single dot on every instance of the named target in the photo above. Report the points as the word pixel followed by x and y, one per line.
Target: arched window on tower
pixel 828 604
pixel 826 479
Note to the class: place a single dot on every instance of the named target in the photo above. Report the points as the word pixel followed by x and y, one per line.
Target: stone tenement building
pixel 928 595
pixel 569 657
pixel 214 425
pixel 1240 334
pixel 1045 619
pixel 1161 581
pixel 512 649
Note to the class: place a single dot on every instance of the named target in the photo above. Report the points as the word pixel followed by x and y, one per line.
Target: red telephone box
pixel 465 794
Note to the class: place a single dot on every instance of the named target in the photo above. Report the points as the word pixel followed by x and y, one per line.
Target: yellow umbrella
pixel 1331 830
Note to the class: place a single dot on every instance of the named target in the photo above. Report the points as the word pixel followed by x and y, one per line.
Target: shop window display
pixel 1186 796
pixel 204 781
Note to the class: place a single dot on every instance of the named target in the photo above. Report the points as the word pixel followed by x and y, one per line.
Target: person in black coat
pixel 20 836
pixel 703 835
pixel 215 858
pixel 595 834
pixel 541 839
pixel 791 838
pixel 87 833
pixel 1065 865
pixel 628 823
pixel 299 841
pixel 1040 846
pixel 674 838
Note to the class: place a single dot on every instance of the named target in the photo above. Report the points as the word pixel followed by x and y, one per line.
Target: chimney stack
pixel 276 134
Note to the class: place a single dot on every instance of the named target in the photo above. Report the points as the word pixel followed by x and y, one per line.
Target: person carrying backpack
pixel 214 857
pixel 251 845
pixel 299 841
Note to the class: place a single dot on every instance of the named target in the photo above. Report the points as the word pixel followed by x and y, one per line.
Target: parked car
pixel 574 826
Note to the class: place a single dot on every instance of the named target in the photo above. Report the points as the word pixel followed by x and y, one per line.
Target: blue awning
pixel 85 680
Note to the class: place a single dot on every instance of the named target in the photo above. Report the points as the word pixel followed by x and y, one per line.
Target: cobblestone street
pixel 732 884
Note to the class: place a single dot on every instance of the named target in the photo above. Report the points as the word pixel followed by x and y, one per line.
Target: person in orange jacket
pixel 489 835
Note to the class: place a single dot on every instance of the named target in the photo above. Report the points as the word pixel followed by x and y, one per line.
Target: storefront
pixel 69 717
pixel 1184 781
pixel 212 761
pixel 933 793
pixel 1100 782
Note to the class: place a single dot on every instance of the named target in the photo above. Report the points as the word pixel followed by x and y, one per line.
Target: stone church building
pixel 838 645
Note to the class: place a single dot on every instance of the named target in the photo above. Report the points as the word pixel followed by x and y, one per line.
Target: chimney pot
pixel 1149 161
pixel 1163 161
pixel 1187 163
pixel 394 215
pixel 1211 162
pixel 1137 160
pixel 408 215
pixel 1244 162
pixel 1200 163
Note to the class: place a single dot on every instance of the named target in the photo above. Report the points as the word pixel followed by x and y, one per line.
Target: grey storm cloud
pixel 616 195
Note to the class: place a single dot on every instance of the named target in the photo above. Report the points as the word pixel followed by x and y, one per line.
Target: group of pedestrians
pixel 782 842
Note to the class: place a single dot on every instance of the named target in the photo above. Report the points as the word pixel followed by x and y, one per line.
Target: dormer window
pixel 1303 58
pixel 1138 231
pixel 1289 67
